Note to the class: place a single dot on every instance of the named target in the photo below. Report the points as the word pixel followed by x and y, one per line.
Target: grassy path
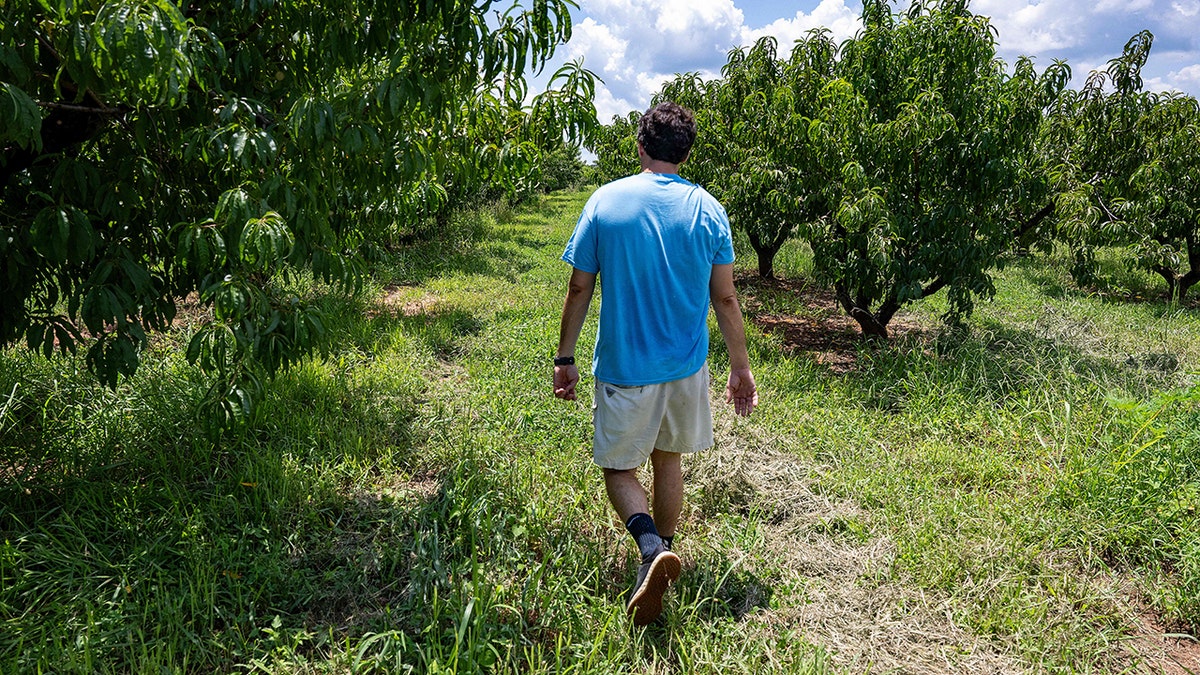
pixel 418 501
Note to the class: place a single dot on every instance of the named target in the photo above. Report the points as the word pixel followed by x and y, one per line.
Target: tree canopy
pixel 154 149
pixel 928 144
pixel 907 157
pixel 1130 171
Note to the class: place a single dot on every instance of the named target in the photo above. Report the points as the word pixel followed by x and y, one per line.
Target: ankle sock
pixel 641 528
pixel 668 541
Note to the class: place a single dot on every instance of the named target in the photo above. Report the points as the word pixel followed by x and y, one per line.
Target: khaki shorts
pixel 630 422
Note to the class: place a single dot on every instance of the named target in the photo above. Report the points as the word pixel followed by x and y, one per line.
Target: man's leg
pixel 629 499
pixel 659 566
pixel 667 492
pixel 625 492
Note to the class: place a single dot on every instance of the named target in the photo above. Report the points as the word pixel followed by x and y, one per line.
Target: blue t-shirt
pixel 653 240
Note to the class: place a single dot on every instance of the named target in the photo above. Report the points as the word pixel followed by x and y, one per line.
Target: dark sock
pixel 667 541
pixel 641 527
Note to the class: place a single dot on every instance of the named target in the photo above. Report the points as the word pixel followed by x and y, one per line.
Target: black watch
pixel 564 360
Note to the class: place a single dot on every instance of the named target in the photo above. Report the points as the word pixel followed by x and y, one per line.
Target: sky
pixel 636 45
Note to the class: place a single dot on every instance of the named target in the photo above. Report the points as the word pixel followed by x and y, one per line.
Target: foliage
pixel 153 150
pixel 615 147
pixel 1129 173
pixel 926 143
pixel 1141 496
pixel 561 169
pixel 748 155
pixel 907 157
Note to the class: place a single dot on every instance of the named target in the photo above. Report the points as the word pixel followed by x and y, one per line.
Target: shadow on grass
pixel 137 542
pixel 990 362
pixel 482 249
pixel 1115 281
pixel 227 574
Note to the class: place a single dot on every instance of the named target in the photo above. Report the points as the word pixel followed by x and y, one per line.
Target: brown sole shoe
pixel 652 581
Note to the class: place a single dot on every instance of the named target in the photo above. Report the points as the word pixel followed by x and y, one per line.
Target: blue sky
pixel 634 45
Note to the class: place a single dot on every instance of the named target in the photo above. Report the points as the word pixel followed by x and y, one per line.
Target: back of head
pixel 667 131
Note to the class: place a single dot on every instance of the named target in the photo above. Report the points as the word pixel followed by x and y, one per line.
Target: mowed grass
pixel 417 501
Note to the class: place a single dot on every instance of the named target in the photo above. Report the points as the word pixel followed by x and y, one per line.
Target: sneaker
pixel 652 581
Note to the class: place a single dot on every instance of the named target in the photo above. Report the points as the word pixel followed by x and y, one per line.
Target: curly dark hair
pixel 667 131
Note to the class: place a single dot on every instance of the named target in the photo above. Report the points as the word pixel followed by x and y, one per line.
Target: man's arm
pixel 740 391
pixel 579 296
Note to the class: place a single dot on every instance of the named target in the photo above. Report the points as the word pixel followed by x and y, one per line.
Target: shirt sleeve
pixel 724 236
pixel 581 250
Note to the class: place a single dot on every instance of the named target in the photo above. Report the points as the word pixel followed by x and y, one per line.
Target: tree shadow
pixel 128 512
pixel 1115 281
pixel 808 322
pixel 989 360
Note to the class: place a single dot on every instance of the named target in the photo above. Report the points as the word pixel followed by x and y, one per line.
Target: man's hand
pixel 740 391
pixel 565 379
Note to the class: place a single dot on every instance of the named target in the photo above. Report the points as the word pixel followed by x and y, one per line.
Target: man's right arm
pixel 741 390
pixel 579 296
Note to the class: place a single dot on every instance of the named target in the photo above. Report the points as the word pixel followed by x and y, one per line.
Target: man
pixel 663 251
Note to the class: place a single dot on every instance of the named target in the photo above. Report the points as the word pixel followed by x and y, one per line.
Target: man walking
pixel 663 251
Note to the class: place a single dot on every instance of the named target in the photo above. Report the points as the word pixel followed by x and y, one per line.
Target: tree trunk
pixel 1171 279
pixel 766 250
pixel 63 128
pixel 1185 283
pixel 870 325
pixel 1193 274
pixel 1027 231
pixel 766 263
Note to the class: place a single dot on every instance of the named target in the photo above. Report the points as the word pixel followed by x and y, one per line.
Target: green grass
pixel 1014 495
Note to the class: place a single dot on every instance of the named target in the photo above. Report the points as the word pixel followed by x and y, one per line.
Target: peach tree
pixel 928 148
pixel 156 149
pixel 909 157
pixel 1130 172
pixel 751 153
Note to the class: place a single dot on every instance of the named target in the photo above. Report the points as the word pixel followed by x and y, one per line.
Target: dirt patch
pixel 1153 648
pixel 404 301
pixel 840 592
pixel 190 312
pixel 822 331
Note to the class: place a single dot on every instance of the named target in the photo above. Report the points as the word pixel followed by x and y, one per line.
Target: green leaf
pixel 20 117
pixel 50 233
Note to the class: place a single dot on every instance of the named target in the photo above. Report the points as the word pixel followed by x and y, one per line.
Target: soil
pixel 823 332
pixel 1155 649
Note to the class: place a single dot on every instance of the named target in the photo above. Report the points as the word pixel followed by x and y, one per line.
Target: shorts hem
pixel 690 451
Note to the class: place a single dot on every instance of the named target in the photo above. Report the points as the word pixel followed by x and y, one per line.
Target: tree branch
pixel 1107 212
pixel 1035 220
pixel 78 108
pixel 933 287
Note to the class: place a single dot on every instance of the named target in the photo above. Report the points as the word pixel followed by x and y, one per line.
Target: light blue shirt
pixel 653 240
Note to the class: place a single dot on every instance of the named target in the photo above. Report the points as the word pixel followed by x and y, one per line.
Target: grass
pixel 1017 497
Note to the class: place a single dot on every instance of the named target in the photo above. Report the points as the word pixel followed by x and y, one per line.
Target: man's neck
pixel 659 166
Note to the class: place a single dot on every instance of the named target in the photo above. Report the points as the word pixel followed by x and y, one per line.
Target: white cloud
pixel 842 21
pixel 600 49
pixel 609 106
pixel 1188 74
pixel 636 45
pixel 1035 28
pixel 1187 9
pixel 1088 34
pixel 1122 6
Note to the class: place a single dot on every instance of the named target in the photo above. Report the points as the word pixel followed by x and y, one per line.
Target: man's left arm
pixel 741 390
pixel 579 296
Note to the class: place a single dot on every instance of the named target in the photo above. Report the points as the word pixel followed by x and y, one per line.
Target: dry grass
pixel 851 604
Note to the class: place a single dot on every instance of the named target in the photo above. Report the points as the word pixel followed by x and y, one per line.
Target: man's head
pixel 666 132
